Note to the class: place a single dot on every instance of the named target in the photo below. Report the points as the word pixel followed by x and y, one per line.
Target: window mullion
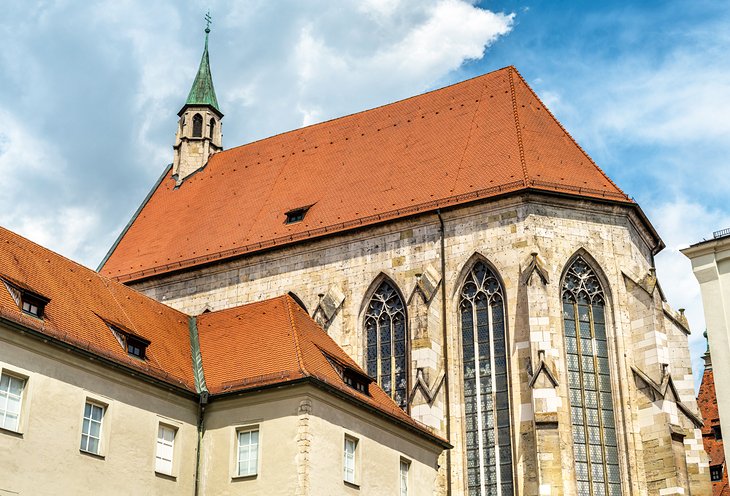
pixel 493 380
pixel 598 397
pixel 579 349
pixel 478 387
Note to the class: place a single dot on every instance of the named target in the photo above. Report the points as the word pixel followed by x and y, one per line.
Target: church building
pixel 467 263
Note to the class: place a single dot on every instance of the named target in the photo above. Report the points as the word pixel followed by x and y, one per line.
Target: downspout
pixel 202 390
pixel 445 348
pixel 201 419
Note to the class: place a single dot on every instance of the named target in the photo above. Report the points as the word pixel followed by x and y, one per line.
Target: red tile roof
pixel 276 342
pixel 480 138
pixel 82 302
pixel 707 401
pixel 243 348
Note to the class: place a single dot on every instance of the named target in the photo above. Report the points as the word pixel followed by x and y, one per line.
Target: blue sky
pixel 89 96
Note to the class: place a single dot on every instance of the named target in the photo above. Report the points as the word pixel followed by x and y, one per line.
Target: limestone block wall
pixel 44 456
pixel 511 235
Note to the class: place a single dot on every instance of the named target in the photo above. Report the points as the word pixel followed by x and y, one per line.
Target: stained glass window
pixel 386 334
pixel 591 404
pixel 486 396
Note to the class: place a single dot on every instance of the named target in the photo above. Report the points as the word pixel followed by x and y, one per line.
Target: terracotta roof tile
pixel 476 139
pixel 83 301
pixel 275 342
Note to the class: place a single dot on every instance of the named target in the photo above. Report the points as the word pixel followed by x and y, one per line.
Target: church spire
pixel 199 128
pixel 202 91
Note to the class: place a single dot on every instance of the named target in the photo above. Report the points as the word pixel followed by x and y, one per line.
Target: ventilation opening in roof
pixel 135 346
pixel 296 215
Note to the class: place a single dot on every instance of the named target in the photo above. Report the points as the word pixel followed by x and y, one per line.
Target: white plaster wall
pixel 44 458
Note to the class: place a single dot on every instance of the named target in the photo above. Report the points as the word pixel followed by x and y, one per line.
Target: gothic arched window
pixel 197 126
pixel 486 394
pixel 212 128
pixel 385 329
pixel 591 403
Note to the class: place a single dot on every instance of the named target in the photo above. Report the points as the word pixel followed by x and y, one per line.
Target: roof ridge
pixel 566 132
pixel 295 331
pixel 518 131
pixel 435 90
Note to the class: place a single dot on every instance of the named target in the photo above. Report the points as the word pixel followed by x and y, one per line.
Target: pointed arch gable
pixel 374 285
pixel 595 266
pixel 475 258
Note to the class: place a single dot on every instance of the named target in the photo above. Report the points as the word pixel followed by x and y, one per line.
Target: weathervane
pixel 208 20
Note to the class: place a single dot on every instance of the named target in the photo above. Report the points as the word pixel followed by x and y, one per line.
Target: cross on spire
pixel 208 20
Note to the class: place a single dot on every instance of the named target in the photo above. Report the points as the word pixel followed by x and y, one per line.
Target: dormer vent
pixel 134 345
pixel 29 302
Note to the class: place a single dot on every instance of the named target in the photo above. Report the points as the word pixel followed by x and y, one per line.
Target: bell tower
pixel 199 133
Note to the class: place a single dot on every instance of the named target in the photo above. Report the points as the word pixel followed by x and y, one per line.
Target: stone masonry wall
pixel 334 278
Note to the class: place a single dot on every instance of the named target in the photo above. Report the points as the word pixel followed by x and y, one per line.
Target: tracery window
pixel 591 403
pixel 385 329
pixel 486 395
pixel 197 126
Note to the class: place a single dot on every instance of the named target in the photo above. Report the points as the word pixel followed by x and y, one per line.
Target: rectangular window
pixel 248 452
pixel 716 473
pixel 404 468
pixel 91 429
pixel 11 397
pixel 165 449
pixel 349 461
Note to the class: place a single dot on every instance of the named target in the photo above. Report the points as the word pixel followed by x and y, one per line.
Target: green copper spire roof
pixel 202 92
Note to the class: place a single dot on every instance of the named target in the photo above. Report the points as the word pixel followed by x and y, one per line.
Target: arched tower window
pixel 197 126
pixel 385 329
pixel 212 128
pixel 591 403
pixel 486 395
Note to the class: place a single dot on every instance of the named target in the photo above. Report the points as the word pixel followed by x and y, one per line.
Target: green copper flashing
pixel 202 92
pixel 200 385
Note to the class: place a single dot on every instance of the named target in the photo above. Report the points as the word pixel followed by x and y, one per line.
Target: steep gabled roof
pixel 275 342
pixel 477 139
pixel 707 401
pixel 82 304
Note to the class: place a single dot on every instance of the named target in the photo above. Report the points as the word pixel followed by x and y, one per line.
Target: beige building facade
pixel 711 266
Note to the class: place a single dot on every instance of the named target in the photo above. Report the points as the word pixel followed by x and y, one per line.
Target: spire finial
pixel 208 20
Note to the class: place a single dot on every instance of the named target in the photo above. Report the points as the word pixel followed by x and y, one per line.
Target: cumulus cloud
pixel 90 96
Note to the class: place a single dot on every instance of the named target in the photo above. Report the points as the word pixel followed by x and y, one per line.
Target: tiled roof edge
pixel 134 217
pixel 560 124
pixel 197 357
pixel 493 192
pixel 518 130
pixel 41 330
pixel 288 300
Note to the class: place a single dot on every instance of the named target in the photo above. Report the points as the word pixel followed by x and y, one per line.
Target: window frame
pixel 590 385
pixel 390 364
pixel 355 480
pixel 404 491
pixel 237 452
pixel 494 297
pixel 101 447
pixel 23 404
pixel 716 473
pixel 173 449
